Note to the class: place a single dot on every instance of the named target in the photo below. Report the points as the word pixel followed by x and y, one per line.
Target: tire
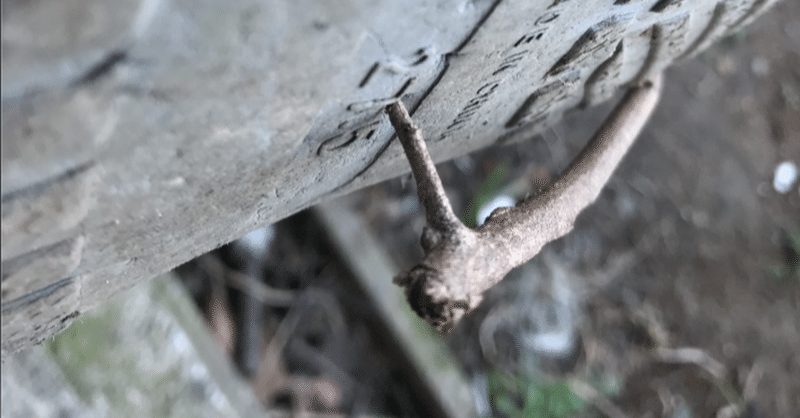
pixel 138 134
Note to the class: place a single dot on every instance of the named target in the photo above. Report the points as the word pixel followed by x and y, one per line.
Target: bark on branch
pixel 460 263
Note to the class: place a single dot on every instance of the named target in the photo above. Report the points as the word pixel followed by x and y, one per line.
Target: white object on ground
pixel 501 201
pixel 558 344
pixel 257 242
pixel 785 176
pixel 480 387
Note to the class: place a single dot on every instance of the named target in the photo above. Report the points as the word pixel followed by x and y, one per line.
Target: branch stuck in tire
pixel 460 263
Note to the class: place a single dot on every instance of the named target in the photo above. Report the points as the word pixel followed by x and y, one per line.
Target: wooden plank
pixel 423 347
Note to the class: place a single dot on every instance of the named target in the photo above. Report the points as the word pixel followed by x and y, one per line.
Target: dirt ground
pixel 687 247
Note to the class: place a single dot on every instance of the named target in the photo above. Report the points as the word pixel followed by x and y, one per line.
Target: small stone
pixel 686 213
pixel 760 66
pixel 700 219
pixel 726 65
pixel 785 176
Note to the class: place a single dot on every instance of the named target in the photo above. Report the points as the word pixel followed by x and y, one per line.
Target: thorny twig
pixel 460 263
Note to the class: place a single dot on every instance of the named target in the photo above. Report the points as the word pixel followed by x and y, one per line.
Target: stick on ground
pixel 460 263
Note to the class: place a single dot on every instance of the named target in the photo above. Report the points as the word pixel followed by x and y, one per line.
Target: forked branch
pixel 460 263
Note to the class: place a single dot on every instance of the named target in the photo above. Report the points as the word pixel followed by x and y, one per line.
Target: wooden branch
pixel 439 214
pixel 460 264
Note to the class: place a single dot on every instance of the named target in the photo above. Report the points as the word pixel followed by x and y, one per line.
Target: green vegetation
pixel 526 397
pixel 485 192
pixel 81 347
pixel 790 268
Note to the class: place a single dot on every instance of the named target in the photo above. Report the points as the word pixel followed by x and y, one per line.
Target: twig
pixel 438 212
pixel 219 317
pixel 267 295
pixel 750 389
pixel 717 371
pixel 460 263
pixel 591 395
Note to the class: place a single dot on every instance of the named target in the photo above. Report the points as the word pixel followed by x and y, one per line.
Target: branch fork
pixel 460 263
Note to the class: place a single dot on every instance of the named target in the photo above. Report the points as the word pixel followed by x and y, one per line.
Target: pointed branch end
pixel 399 116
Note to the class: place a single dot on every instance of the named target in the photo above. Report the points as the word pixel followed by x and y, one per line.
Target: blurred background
pixel 677 294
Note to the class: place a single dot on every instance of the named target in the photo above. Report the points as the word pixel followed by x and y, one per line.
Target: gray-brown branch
pixel 439 215
pixel 460 263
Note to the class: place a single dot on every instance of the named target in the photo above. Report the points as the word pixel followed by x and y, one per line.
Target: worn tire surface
pixel 138 134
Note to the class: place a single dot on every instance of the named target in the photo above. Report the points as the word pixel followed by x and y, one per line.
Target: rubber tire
pixel 151 132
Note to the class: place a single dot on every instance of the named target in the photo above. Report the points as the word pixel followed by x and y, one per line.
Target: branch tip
pixel 438 212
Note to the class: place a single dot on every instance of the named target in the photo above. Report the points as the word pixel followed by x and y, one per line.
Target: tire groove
pixel 412 109
pixel 39 187
pixel 755 9
pixel 31 297
pixel 596 75
pixel 652 53
pixel 705 36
